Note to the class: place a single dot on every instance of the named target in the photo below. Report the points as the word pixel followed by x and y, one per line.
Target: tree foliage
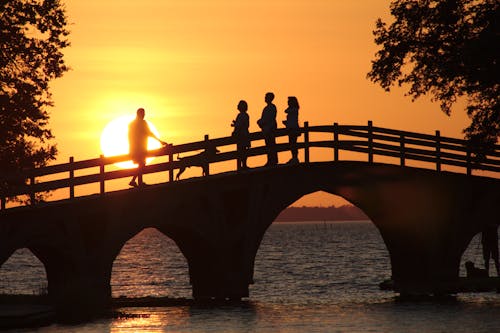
pixel 32 35
pixel 448 48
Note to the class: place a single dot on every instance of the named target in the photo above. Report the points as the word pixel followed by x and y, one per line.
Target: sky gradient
pixel 188 63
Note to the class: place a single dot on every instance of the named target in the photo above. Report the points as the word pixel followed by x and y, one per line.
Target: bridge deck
pixel 396 147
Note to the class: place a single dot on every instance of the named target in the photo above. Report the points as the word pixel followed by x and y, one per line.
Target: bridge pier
pixel 221 274
pixel 79 294
pixel 217 250
pixel 426 220
pixel 218 270
pixel 423 264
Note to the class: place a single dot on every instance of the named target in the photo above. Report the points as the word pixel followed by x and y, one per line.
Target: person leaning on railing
pixel 241 133
pixel 292 124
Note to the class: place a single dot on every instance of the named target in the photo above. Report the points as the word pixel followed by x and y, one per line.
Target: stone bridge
pixel 426 219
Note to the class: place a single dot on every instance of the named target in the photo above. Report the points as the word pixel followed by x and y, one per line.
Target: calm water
pixel 309 277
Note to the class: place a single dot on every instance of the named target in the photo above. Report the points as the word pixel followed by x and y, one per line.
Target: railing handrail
pixel 372 140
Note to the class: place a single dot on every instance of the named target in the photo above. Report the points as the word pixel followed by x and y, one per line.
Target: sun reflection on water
pixel 151 320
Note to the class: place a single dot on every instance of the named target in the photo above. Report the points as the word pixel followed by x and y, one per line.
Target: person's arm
pixel 151 134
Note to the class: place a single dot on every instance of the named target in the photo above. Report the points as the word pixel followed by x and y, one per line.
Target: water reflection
pixel 23 273
pixel 150 264
pixel 171 319
pixel 308 278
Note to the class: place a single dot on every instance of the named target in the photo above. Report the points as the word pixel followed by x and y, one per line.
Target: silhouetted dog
pixel 474 272
pixel 200 160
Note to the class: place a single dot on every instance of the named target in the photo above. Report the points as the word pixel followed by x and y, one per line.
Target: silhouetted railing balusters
pixel 306 142
pixel 370 141
pixel 367 139
pixel 335 142
pixel 32 192
pixel 171 170
pixel 438 151
pixel 71 177
pixel 102 175
pixel 402 149
pixel 469 162
pixel 207 150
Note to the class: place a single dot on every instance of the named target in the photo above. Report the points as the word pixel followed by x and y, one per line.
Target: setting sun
pixel 114 139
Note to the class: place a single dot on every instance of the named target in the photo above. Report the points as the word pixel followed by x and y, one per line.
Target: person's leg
pixel 268 142
pixel 240 148
pixel 244 157
pixel 132 181
pixel 272 149
pixel 140 169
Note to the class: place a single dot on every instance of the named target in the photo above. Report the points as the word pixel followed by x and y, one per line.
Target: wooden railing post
pixel 370 141
pixel 402 149
pixel 207 150
pixel 71 176
pixel 335 142
pixel 438 151
pixel 469 162
pixel 306 142
pixel 101 173
pixel 171 171
pixel 32 193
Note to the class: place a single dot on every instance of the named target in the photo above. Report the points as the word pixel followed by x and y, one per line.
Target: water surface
pixel 309 277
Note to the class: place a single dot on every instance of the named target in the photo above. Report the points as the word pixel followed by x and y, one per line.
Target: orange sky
pixel 188 63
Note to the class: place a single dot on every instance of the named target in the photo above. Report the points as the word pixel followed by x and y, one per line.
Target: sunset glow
pixel 188 63
pixel 114 139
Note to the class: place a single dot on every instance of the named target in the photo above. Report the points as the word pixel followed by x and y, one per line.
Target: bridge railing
pixel 369 140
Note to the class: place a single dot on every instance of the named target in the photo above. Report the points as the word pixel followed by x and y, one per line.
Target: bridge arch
pixel 426 220
pixel 23 273
pixel 318 253
pixel 152 260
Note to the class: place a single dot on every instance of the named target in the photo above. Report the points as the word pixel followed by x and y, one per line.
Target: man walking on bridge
pixel 138 134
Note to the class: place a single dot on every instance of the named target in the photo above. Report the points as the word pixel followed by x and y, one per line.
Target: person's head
pixel 293 102
pixel 469 265
pixel 269 97
pixel 140 113
pixel 242 106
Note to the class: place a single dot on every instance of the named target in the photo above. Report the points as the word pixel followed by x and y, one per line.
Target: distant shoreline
pixel 344 213
pixel 322 221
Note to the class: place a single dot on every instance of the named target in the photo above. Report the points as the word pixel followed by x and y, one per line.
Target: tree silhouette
pixel 448 48
pixel 32 35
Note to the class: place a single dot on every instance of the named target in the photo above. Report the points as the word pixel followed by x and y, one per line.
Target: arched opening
pixel 321 249
pixel 23 274
pixel 474 254
pixel 150 264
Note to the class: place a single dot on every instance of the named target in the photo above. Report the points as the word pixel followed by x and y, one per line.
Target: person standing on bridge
pixel 292 124
pixel 267 123
pixel 138 134
pixel 241 134
pixel 489 240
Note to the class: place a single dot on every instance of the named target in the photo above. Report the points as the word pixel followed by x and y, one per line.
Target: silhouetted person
pixel 138 134
pixel 489 239
pixel 292 124
pixel 267 123
pixel 241 133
